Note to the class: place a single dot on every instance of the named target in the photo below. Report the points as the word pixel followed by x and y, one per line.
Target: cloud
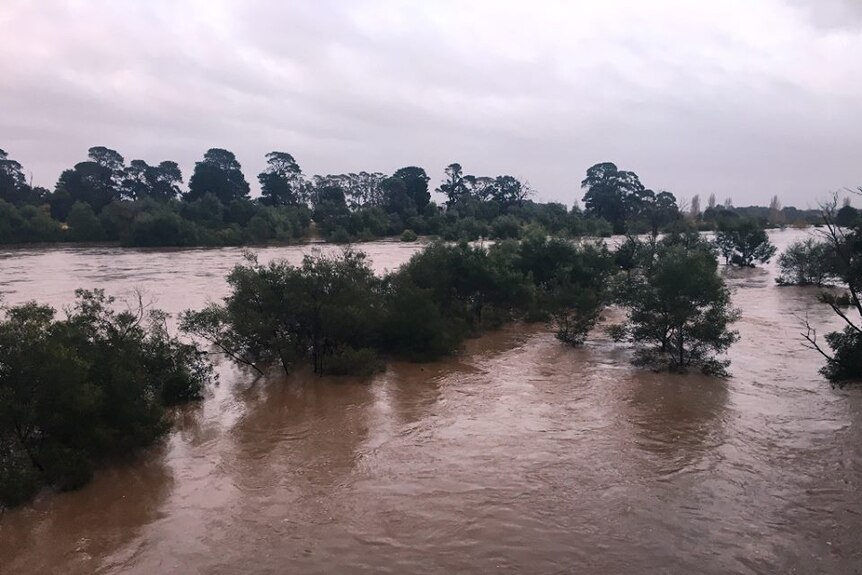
pixel 734 98
pixel 831 14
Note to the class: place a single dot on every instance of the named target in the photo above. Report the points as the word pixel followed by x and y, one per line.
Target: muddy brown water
pixel 519 455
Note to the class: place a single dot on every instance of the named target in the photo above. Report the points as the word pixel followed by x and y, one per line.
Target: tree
pixel 776 217
pixel 396 199
pixel 329 209
pixel 363 189
pixel 679 309
pixel 694 211
pixel 84 225
pixel 107 158
pixel 847 216
pixel 611 193
pixel 324 312
pixel 807 262
pixel 88 182
pixel 743 242
pixel 571 280
pixel 13 185
pixel 416 183
pixel 218 173
pixel 281 184
pixel 509 191
pixel 80 390
pixel 454 186
pixel 844 363
pixel 160 183
pixel 659 210
pixel 711 201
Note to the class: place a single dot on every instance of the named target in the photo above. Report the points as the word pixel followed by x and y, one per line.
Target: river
pixel 519 455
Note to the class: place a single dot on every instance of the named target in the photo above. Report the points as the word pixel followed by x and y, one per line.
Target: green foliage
pixel 220 174
pixel 281 184
pixel 743 242
pixel 679 309
pixel 14 188
pixel 807 262
pixel 845 363
pixel 84 225
pixel 409 236
pixel 333 313
pixel 621 199
pixel 80 390
pixel 286 313
pixel 505 227
pixel 161 227
pixel 26 223
pixel 416 185
pixel 844 255
pixel 570 281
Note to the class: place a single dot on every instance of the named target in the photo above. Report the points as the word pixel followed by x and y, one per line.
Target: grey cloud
pixel 738 100
pixel 831 14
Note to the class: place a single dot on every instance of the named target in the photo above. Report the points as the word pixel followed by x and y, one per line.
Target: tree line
pixel 104 198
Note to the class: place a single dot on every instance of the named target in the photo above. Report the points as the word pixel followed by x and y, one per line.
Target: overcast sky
pixel 741 98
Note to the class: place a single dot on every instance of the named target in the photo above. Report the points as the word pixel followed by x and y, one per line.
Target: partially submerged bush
pixel 334 313
pixel 79 390
pixel 679 308
pixel 807 262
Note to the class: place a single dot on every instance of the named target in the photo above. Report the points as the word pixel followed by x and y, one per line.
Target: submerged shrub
pixel 807 262
pixel 744 242
pixel 679 309
pixel 79 390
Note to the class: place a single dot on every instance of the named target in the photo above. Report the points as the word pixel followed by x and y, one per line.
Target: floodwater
pixel 519 455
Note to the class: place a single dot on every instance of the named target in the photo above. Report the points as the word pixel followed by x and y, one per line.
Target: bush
pixel 75 392
pixel 161 228
pixel 845 364
pixel 409 236
pixel 505 227
pixel 679 308
pixel 84 226
pixel 340 236
pixel 807 262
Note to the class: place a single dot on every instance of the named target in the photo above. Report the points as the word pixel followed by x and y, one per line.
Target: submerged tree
pixel 743 242
pixel 77 391
pixel 679 310
pixel 807 262
pixel 323 312
pixel 571 282
pixel 844 363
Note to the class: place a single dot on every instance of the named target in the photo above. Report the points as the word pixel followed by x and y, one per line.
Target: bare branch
pixel 810 336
